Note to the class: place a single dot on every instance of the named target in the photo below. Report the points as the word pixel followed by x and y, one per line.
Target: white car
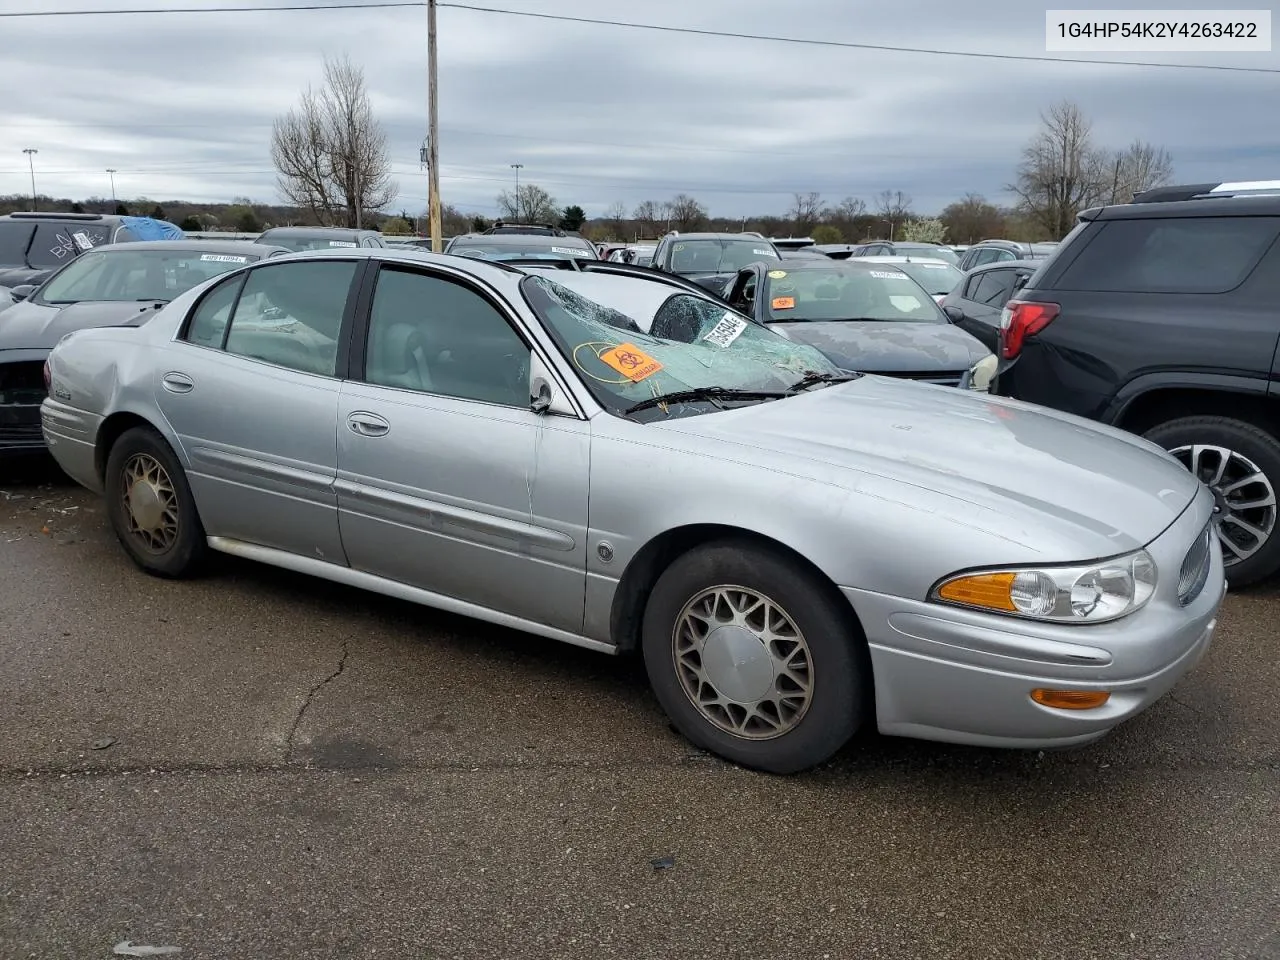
pixel 938 277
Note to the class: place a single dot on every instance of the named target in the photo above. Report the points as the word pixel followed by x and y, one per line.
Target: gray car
pixel 797 553
pixel 115 284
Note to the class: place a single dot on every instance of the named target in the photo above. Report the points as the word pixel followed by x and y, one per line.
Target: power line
pixel 631 25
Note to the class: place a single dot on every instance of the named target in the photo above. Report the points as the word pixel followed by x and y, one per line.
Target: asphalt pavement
pixel 260 765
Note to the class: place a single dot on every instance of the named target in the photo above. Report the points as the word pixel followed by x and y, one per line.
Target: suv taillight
pixel 48 378
pixel 1021 319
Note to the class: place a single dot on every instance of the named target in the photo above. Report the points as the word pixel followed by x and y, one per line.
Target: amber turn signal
pixel 1070 699
pixel 990 590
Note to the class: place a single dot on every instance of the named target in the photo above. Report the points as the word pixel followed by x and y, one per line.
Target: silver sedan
pixel 622 463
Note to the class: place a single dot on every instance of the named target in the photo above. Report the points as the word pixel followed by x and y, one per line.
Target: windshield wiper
pixel 705 393
pixel 813 379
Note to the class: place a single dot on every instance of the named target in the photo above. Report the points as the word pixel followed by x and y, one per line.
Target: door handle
pixel 368 424
pixel 177 383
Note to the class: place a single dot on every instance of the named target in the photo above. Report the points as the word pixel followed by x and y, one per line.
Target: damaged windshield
pixel 647 339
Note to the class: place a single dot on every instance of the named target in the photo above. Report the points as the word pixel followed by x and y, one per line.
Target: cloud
pixel 182 105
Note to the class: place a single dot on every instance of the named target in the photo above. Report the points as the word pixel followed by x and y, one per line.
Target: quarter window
pixel 1187 255
pixel 439 336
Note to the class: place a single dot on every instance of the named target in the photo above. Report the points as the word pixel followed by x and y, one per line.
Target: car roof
pixel 1006 264
pixel 315 231
pixel 26 216
pixel 947 263
pixel 197 246
pixel 518 239
pixel 827 263
pixel 727 235
pixel 1238 206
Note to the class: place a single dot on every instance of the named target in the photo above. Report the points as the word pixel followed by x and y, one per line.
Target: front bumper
pixel 961 676
pixel 21 392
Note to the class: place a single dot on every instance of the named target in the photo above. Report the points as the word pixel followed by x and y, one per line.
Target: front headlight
pixel 1082 593
pixel 982 373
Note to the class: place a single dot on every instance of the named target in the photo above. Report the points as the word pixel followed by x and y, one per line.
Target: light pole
pixel 31 164
pixel 112 171
pixel 516 167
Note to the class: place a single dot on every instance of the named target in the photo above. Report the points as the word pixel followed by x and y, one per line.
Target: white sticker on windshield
pixel 762 253
pixel 341 243
pixel 726 331
pixel 83 241
pixel 885 275
pixel 577 251
pixel 906 304
pixel 934 266
pixel 222 258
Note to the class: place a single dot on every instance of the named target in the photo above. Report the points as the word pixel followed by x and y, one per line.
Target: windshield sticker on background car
pixel 934 266
pixel 906 303
pixel 886 275
pixel 783 303
pixel 726 331
pixel 777 274
pixel 570 250
pixel 762 253
pixel 341 243
pixel 222 258
pixel 82 241
pixel 630 361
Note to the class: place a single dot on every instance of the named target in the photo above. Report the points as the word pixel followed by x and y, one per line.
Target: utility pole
pixel 31 164
pixel 113 183
pixel 433 136
pixel 516 167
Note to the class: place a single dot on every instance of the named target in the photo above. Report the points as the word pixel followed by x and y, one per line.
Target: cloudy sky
pixel 181 104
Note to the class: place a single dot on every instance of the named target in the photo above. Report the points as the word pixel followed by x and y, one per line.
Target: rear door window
pixel 993 288
pixel 1190 255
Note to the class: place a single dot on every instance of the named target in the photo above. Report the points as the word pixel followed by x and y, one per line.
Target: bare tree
pixel 616 216
pixel 687 213
pixel 972 218
pixel 1138 167
pixel 845 216
pixel 330 152
pixel 533 204
pixel 1061 172
pixel 893 207
pixel 805 212
pixel 646 215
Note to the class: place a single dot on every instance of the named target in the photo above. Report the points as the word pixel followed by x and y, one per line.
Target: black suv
pixel 33 245
pixel 711 260
pixel 1160 317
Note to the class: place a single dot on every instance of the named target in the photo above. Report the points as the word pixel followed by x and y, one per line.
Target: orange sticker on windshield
pixel 784 303
pixel 630 361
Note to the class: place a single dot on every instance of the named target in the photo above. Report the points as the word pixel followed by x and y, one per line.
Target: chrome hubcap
pixel 742 662
pixel 151 504
pixel 1244 510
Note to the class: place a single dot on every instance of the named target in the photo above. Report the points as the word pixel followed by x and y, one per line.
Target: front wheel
pixel 1240 463
pixel 754 659
pixel 150 505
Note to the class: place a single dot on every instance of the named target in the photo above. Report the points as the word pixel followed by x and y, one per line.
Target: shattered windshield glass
pixel 687 342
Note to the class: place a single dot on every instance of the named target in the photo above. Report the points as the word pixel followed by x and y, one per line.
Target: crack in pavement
pixel 311 695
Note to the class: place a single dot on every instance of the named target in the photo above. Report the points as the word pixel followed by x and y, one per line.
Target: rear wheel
pixel 150 505
pixel 754 659
pixel 1241 465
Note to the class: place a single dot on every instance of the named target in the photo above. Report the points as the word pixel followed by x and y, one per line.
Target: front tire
pixel 1241 464
pixel 150 506
pixel 755 659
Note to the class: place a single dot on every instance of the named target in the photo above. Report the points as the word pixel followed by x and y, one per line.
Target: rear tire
pixel 150 506
pixel 1223 452
pixel 755 659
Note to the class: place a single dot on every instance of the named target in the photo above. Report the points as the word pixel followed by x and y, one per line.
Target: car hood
pixel 29 326
pixel 1062 488
pixel 891 347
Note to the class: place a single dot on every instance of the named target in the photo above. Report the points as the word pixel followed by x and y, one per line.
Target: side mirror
pixel 954 313
pixel 22 291
pixel 545 397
